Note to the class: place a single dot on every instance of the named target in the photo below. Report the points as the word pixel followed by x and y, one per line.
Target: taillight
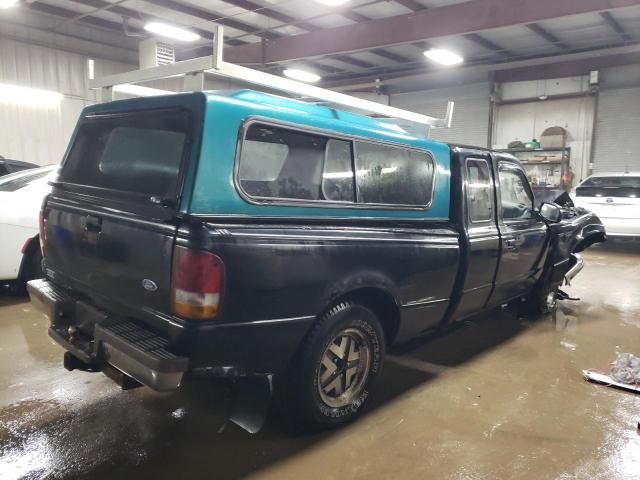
pixel 197 283
pixel 42 225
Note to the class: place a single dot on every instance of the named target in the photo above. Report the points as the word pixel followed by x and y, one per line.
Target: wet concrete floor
pixel 498 398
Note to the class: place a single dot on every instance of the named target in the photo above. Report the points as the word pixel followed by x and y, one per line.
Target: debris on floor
pixel 624 374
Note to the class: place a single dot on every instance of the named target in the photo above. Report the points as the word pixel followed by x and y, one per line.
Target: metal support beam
pixel 486 43
pixel 547 35
pixel 460 18
pixel 615 25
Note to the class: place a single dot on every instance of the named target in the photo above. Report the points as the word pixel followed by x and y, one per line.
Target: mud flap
pixel 250 402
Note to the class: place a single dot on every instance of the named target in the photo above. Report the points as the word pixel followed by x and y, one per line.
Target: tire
pixel 33 265
pixel 329 381
pixel 543 301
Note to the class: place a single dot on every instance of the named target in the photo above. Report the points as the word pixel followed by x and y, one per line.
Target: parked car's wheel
pixel 330 379
pixel 33 266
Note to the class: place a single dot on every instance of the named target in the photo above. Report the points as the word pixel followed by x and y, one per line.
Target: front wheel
pixel 330 379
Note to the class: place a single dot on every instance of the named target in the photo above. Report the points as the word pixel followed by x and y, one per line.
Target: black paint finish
pixel 281 274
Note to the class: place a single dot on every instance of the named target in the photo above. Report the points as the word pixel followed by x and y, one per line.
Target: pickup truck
pixel 241 233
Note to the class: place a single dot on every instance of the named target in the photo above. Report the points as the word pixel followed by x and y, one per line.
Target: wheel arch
pixel 381 301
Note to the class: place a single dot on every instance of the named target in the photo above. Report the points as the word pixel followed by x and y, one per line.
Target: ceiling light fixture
pixel 443 57
pixel 171 31
pixel 332 3
pixel 8 3
pixel 29 96
pixel 302 75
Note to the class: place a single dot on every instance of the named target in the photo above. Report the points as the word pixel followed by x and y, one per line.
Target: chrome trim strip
pixel 421 303
pixel 267 322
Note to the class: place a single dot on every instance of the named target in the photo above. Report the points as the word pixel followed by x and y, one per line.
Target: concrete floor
pixel 498 398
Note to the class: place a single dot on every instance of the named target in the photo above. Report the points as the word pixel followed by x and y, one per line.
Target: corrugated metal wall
pixel 470 118
pixel 36 133
pixel 617 136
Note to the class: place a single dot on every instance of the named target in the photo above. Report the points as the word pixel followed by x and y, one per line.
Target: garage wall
pixel 527 120
pixel 617 139
pixel 37 133
pixel 470 124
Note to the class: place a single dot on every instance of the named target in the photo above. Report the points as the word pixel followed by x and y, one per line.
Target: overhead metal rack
pixel 194 71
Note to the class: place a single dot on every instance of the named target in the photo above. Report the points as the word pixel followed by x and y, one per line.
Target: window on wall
pixel 284 164
pixel 392 175
pixel 479 191
pixel 516 199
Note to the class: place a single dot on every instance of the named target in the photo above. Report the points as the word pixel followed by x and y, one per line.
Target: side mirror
pixel 550 212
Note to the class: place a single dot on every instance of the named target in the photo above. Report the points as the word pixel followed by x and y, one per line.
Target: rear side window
pixel 278 163
pixel 137 152
pixel 392 175
pixel 283 164
pixel 610 187
pixel 479 191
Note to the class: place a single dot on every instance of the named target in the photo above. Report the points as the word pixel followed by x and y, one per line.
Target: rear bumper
pixel 103 342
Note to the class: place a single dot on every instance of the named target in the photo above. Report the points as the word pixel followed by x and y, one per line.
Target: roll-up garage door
pixel 470 117
pixel 617 136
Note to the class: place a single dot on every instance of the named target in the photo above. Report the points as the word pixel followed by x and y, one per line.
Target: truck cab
pixel 240 233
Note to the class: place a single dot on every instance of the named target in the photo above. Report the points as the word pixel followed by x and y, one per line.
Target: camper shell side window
pixel 285 164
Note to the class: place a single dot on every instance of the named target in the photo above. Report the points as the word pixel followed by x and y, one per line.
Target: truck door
pixel 482 238
pixel 522 231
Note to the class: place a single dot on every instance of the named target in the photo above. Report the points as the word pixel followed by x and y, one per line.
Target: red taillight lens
pixel 42 225
pixel 197 283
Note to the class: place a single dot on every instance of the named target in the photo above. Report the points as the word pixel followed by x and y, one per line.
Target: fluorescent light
pixel 29 96
pixel 443 57
pixel 139 90
pixel 8 3
pixel 332 3
pixel 171 31
pixel 302 75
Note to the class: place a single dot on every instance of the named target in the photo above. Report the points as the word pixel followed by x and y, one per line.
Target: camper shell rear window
pixel 139 152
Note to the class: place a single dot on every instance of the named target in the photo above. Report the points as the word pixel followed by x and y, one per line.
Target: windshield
pixel 16 181
pixel 136 152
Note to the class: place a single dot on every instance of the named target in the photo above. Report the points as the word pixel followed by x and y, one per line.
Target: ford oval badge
pixel 149 285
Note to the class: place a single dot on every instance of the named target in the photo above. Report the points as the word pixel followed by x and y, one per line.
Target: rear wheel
pixel 330 379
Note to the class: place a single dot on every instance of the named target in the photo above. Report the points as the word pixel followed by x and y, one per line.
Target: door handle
pixel 510 243
pixel 92 224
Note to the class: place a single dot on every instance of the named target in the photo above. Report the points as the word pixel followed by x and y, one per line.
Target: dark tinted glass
pixel 137 152
pixel 517 202
pixel 392 175
pixel 612 182
pixel 479 191
pixel 285 164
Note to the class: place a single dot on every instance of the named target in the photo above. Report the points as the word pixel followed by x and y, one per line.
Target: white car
pixel 615 198
pixel 21 196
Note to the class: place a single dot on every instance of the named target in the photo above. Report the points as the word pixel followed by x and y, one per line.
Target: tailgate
pixel 111 219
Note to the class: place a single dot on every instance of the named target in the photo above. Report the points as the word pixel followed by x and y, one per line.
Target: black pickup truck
pixel 240 234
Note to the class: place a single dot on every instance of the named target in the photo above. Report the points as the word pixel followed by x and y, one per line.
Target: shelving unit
pixel 546 169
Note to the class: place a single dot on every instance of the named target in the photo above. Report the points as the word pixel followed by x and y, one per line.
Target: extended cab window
pixel 279 163
pixel 391 175
pixel 135 152
pixel 517 201
pixel 479 191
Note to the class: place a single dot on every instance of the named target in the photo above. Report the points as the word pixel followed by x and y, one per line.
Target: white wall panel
pixel 525 121
pixel 470 118
pixel 618 131
pixel 37 133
